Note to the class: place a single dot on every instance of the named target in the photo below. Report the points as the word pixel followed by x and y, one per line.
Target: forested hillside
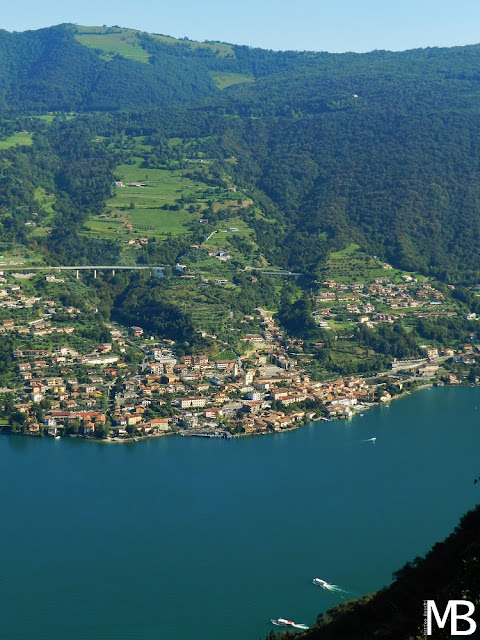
pixel 382 149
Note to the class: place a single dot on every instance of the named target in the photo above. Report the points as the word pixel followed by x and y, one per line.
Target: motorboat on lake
pixel 319 582
pixel 282 622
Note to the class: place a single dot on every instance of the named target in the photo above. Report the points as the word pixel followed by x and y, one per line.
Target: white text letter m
pixel 451 609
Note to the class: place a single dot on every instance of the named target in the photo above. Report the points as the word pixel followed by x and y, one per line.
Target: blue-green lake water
pixel 187 538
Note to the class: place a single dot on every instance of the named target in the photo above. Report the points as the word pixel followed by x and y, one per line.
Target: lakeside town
pixel 131 385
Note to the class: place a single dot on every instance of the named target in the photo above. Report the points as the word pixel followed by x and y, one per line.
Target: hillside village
pixel 132 385
pixel 382 300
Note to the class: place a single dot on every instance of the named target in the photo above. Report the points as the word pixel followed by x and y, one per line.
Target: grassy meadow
pixel 352 264
pixel 19 139
pixel 224 79
pixel 220 49
pixel 111 42
pixel 168 204
pixel 134 211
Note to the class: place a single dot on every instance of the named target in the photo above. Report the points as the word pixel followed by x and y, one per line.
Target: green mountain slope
pixel 52 70
pixel 381 149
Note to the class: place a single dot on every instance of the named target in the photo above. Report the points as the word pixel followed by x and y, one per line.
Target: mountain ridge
pixel 207 43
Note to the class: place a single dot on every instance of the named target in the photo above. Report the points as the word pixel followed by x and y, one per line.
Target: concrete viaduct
pixel 95 268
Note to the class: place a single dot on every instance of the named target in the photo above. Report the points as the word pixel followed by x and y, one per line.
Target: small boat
pixel 319 582
pixel 57 437
pixel 282 622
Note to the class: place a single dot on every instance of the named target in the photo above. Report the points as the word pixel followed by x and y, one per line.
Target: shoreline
pixel 185 434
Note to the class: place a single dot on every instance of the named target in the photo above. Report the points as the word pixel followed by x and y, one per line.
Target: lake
pixel 196 538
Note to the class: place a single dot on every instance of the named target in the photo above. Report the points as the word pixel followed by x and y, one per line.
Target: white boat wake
pixel 325 585
pixel 283 622
pixel 300 626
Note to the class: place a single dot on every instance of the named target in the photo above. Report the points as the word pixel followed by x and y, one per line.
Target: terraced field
pixel 353 264
pixel 138 210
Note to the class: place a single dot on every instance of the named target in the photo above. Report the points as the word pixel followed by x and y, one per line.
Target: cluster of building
pixel 380 301
pixel 12 296
pixel 266 390
pixel 62 391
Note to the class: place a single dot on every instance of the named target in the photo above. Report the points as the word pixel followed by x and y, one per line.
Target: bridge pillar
pixel 94 273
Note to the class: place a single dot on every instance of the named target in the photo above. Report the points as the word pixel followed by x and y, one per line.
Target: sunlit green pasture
pixel 158 222
pixel 19 139
pixel 164 186
pixel 110 42
pixel 224 79
pixel 223 235
pixel 138 211
pixel 138 222
pixel 352 264
pixel 220 49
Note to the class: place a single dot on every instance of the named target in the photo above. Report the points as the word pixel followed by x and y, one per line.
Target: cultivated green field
pixel 226 79
pixel 171 203
pixel 17 253
pixel 19 139
pixel 138 211
pixel 144 222
pixel 164 186
pixel 45 200
pixel 222 236
pixel 160 222
pixel 352 264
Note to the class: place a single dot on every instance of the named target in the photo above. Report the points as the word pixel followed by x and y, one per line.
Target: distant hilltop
pixel 73 67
